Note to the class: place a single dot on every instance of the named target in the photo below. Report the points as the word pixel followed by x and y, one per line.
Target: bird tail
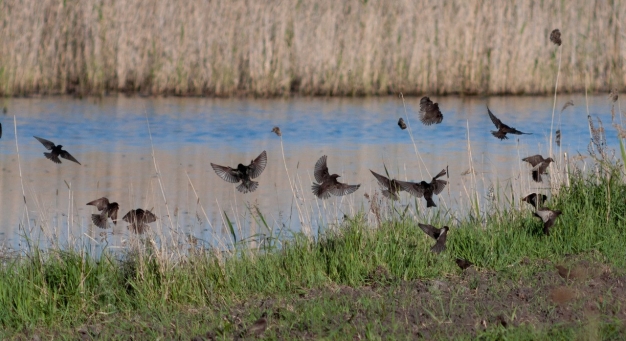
pixel 248 186
pixel 500 135
pixel 430 202
pixel 319 191
pixel 100 220
pixel 52 157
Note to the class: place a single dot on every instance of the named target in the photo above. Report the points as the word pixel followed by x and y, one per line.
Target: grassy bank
pixel 268 48
pixel 355 280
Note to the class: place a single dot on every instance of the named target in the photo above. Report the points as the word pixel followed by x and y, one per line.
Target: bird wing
pixel 101 203
pixel 258 165
pixel 494 119
pixel 130 216
pixel 321 170
pixel 515 131
pixel 48 144
pixel 438 186
pixel 226 173
pixel 113 214
pixel 148 217
pixel 442 173
pixel 343 189
pixel 440 245
pixel 64 154
pixel 382 180
pixel 414 188
pixel 429 112
pixel 430 230
pixel 534 160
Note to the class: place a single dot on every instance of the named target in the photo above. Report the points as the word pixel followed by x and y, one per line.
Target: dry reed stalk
pixel 19 165
pixel 219 240
pixel 557 41
pixel 266 48
pixel 417 153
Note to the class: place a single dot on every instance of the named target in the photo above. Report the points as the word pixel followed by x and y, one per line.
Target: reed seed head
pixel 613 95
pixel 555 37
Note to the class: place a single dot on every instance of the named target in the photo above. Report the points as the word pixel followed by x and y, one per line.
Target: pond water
pixel 111 138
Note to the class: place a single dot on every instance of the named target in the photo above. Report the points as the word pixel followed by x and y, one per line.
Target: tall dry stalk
pixel 19 165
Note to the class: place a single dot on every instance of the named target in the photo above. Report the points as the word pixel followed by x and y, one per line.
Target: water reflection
pixel 110 137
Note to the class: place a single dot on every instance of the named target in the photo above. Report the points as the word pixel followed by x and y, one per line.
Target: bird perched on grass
pixel 535 199
pixel 106 209
pixel 276 130
pixel 429 112
pixel 390 186
pixel 139 220
pixel 328 184
pixel 539 165
pixel 463 263
pixel 56 151
pixel 503 129
pixel 243 173
pixel 424 188
pixel 401 123
pixel 439 235
pixel 548 217
pixel 555 37
pixel 257 328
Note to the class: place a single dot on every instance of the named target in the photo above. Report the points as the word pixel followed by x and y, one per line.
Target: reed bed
pixel 270 48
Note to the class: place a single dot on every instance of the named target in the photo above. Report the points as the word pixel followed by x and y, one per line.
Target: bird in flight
pixel 425 189
pixel 328 184
pixel 548 216
pixel 539 165
pixel 401 123
pixel 106 209
pixel 439 235
pixel 429 112
pixel 139 220
pixel 55 151
pixel 243 173
pixel 503 129
pixel 390 186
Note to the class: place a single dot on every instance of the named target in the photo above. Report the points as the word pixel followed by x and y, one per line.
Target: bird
pixel 276 131
pixel 555 37
pixel 390 186
pixel 243 173
pixel 56 151
pixel 429 112
pixel 539 165
pixel 503 129
pixel 139 220
pixel 327 184
pixel 258 327
pixel 463 263
pixel 106 210
pixel 548 217
pixel 0 130
pixel 438 234
pixel 424 188
pixel 401 124
pixel 532 199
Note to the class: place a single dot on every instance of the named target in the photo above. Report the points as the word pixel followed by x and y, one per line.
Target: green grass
pixel 60 291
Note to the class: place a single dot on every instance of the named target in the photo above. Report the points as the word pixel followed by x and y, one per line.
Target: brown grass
pixel 561 295
pixel 327 47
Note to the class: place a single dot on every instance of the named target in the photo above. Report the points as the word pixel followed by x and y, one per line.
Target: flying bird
pixel 539 165
pixel 503 129
pixel 401 123
pixel 390 186
pixel 106 210
pixel 463 263
pixel 535 199
pixel 276 131
pixel 424 188
pixel 555 37
pixel 439 235
pixel 56 151
pixel 139 220
pixel 243 173
pixel 429 112
pixel 327 184
pixel 548 217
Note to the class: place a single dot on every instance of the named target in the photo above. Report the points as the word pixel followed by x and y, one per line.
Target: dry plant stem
pixel 219 240
pixel 232 241
pixel 291 185
pixel 408 123
pixel 556 86
pixel 156 168
pixel 19 165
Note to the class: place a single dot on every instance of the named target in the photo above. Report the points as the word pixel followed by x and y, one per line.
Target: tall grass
pixel 265 48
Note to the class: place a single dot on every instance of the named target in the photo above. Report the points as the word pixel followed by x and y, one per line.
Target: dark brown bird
pixel 424 188
pixel 558 137
pixel 548 216
pixel 258 327
pixel 503 129
pixel 328 184
pixel 106 210
pixel 463 263
pixel 56 151
pixel 139 220
pixel 243 173
pixel 555 37
pixel 539 165
pixel 276 131
pixel 390 186
pixel 401 124
pixel 439 235
pixel 429 112
pixel 535 199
